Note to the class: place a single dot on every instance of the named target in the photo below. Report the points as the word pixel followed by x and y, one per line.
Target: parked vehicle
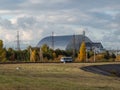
pixel 66 59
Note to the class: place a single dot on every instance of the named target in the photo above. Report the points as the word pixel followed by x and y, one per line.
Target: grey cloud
pixel 117 32
pixel 101 15
pixel 6 24
pixel 112 38
pixel 26 22
pixel 45 5
pixel 117 18
pixel 10 4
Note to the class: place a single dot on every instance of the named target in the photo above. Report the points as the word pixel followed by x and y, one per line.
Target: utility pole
pixel 41 54
pixel 53 40
pixel 94 53
pixel 74 49
pixel 18 41
pixel 86 56
pixel 84 41
pixel 30 54
pixel 83 35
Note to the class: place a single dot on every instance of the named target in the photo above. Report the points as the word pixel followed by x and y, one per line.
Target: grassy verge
pixel 54 77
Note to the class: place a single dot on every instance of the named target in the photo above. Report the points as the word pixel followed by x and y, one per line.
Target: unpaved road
pixel 108 69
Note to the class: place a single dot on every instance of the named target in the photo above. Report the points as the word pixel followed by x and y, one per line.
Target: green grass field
pixel 51 76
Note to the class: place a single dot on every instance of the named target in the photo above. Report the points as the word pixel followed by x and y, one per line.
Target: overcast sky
pixel 36 19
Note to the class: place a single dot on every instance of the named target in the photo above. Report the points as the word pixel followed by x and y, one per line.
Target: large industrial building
pixel 70 42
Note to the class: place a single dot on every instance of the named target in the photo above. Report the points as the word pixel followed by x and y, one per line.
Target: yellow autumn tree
pixel 82 52
pixel 33 56
pixel 45 48
pixel 54 55
pixel 2 52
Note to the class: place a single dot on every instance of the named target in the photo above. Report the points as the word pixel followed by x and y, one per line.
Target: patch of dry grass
pixel 54 77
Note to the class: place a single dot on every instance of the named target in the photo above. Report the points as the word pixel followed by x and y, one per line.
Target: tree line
pixel 31 54
pixel 47 54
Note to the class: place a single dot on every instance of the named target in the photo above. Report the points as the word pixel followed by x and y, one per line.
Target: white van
pixel 66 59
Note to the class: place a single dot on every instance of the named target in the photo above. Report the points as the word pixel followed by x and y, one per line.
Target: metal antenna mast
pixel 53 40
pixel 18 41
pixel 74 49
pixel 84 35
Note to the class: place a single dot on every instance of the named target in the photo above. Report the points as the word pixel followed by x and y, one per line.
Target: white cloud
pixel 7 36
pixel 27 36
pixel 80 30
pixel 4 11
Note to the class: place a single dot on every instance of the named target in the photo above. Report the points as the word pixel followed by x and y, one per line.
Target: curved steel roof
pixel 64 42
